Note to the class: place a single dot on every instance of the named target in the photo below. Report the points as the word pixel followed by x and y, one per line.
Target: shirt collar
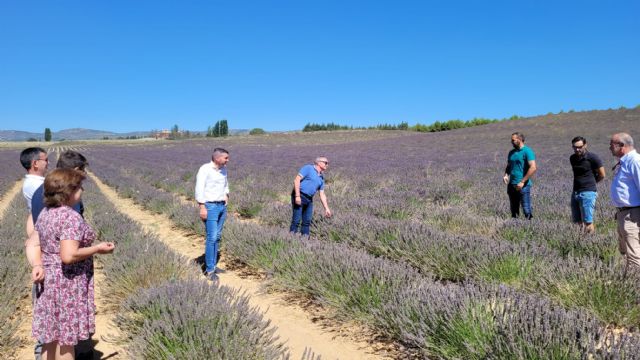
pixel 628 156
pixel 215 167
pixel 33 176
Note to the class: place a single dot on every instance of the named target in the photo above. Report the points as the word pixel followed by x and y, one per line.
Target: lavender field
pixel 421 247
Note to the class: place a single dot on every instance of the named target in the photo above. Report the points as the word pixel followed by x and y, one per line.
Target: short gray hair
pixel 320 159
pixel 626 139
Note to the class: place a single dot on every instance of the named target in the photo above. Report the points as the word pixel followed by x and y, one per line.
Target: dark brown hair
pixel 60 184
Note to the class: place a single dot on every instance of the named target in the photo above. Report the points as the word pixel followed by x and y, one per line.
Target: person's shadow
pixel 97 354
pixel 200 261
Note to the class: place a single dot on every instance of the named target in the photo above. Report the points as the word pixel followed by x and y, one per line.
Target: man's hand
pixel 203 213
pixel 106 248
pixel 298 200
pixel 37 274
pixel 505 179
pixel 519 186
pixel 327 213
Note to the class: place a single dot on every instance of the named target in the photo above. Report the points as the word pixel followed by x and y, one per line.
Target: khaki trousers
pixel 629 236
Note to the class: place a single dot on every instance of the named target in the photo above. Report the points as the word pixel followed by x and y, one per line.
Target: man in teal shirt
pixel 521 165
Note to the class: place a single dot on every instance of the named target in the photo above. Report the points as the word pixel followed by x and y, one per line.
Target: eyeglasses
pixel 577 147
pixel 324 161
pixel 45 159
pixel 613 143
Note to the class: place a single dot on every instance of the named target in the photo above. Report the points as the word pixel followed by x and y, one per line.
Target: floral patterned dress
pixel 64 309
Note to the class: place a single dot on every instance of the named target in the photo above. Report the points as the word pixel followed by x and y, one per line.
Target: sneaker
pixel 220 271
pixel 213 277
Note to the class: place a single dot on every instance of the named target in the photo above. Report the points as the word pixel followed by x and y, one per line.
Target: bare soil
pixel 298 328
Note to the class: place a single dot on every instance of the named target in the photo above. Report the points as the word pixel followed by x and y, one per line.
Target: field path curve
pixel 294 325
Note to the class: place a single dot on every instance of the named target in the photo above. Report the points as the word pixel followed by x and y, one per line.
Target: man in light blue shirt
pixel 625 196
pixel 310 179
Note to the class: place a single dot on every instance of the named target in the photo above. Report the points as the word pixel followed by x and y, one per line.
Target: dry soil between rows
pixel 294 325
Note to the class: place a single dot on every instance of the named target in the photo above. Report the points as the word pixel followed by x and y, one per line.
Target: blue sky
pixel 141 65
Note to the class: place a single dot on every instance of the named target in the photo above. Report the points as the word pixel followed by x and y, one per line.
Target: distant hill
pixel 85 134
pixel 67 134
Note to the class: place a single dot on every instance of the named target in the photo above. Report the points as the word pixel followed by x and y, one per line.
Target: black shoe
pixel 213 277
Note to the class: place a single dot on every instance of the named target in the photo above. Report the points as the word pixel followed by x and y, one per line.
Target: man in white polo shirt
pixel 625 196
pixel 35 161
pixel 212 195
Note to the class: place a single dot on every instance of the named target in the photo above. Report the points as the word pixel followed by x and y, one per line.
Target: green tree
pixel 175 132
pixel 220 128
pixel 257 131
pixel 47 134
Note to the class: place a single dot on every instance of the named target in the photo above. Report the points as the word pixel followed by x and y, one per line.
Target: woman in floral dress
pixel 65 311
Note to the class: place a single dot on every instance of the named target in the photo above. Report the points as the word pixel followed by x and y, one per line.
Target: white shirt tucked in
pixel 211 183
pixel 30 185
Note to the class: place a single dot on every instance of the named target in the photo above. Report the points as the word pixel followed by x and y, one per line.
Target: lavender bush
pixel 163 311
pixel 12 171
pixel 193 320
pixel 15 273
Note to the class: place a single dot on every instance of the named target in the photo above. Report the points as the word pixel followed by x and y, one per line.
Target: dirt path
pixel 8 196
pixel 295 326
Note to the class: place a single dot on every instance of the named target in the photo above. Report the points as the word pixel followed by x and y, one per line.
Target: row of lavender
pixel 429 209
pixel 11 169
pixel 449 199
pixel 439 320
pixel 550 267
pixel 163 309
pixel 14 274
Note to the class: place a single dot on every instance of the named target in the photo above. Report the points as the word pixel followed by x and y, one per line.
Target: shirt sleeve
pixel 200 180
pixel 596 162
pixel 635 173
pixel 71 228
pixel 226 183
pixel 531 156
pixel 37 203
pixel 304 171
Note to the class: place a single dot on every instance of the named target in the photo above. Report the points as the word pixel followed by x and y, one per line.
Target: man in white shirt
pixel 212 195
pixel 625 196
pixel 35 161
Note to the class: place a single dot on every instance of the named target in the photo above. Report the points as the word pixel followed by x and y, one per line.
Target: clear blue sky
pixel 140 65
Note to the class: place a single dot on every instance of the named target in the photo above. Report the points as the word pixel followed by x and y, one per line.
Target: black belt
pixel 215 202
pixel 625 208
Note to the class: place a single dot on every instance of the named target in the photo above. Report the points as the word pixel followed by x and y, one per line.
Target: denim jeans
pixel 216 214
pixel 517 198
pixel 301 213
pixel 583 205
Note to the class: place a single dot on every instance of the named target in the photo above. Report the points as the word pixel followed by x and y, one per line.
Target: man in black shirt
pixel 587 171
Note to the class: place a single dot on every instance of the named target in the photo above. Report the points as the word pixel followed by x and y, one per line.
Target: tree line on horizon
pixel 435 127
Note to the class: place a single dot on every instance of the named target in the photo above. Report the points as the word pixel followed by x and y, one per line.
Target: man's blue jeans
pixel 517 198
pixel 216 214
pixel 301 213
